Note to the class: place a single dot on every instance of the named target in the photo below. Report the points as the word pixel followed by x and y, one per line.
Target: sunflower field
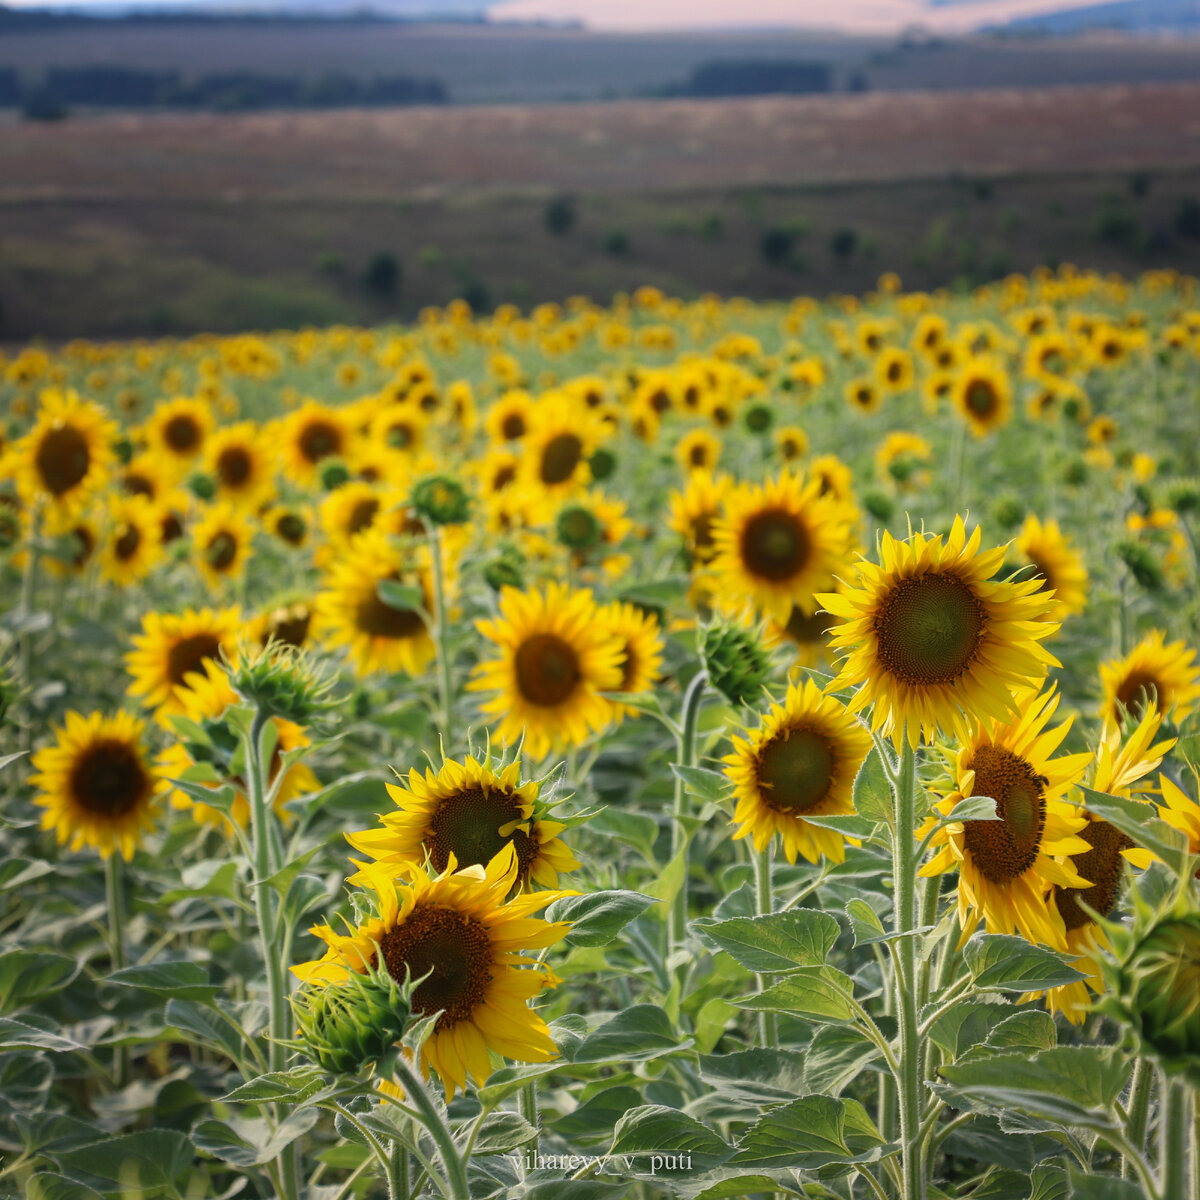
pixel 691 749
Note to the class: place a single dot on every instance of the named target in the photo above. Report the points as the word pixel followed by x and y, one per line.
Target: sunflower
pixel 311 434
pixel 469 812
pixel 350 612
pixel 221 544
pixel 1006 867
pixel 177 431
pixel 1057 565
pixel 289 523
pixel 1154 668
pixel 208 695
pixel 289 624
pixel 806 633
pixel 894 370
pixel 77 538
pixel 67 455
pixel 146 475
pixel 779 543
pixel 800 762
pixel 1180 811
pixel 835 478
pixel 555 659
pixel 557 446
pixel 465 931
pixel 95 783
pixel 509 417
pixel 695 510
pixel 929 635
pixel 899 461
pixel 698 450
pixel 792 442
pixel 982 394
pixel 641 647
pixel 402 428
pixel 862 395
pixel 239 467
pixel 134 544
pixel 351 510
pixel 171 646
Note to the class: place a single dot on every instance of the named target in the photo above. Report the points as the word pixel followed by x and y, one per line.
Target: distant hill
pixel 1144 16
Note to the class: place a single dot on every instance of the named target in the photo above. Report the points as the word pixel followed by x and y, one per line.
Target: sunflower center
pixel 290 625
pixel 560 458
pixel 513 427
pixel 928 628
pixel 63 459
pixel 454 947
pixel 291 528
pixel 189 654
pixel 1136 690
pixel 467 825
pixel 108 779
pixel 629 667
pixel 503 477
pixel 547 670
pixel 319 440
pixel 126 546
pixel 1004 849
pixel 138 485
pixel 702 532
pixel 362 514
pixel 377 619
pixel 795 770
pixel 222 551
pixel 234 466
pixel 808 630
pixel 1102 867
pixel 981 397
pixel 172 527
pixel 775 544
pixel 182 433
pixel 399 436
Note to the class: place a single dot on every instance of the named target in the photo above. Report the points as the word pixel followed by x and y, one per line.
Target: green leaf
pixel 503 1132
pixel 14 872
pixel 847 824
pixel 968 1024
pixel 756 1076
pixel 1141 822
pixel 865 923
pixel 638 830
pixel 597 917
pixel 634 1035
pixel 593 1120
pixel 1006 963
pixel 1089 1186
pixel 745 1185
pixel 1071 1085
pixel 48 1186
pixel 577 1189
pixel 836 1056
pixel 27 975
pixel 250 1143
pixel 810 1133
pixel 972 808
pixel 655 1131
pixel 818 993
pixel 1048 1181
pixel 184 980
pixel 25 1080
pixel 710 786
pixel 1031 1030
pixel 211 1026
pixel 212 877
pixel 294 1086
pixel 782 941
pixel 403 597
pixel 5 759
pixel 151 1158
pixel 21 1035
pixel 872 792
pixel 666 887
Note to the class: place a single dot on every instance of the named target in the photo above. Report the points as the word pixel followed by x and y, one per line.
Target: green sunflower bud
pixel 737 664
pixel 1143 566
pixel 879 505
pixel 603 463
pixel 347 1026
pixel 758 418
pixel 441 500
pixel 503 572
pixel 124 450
pixel 1008 512
pixel 280 681
pixel 1183 495
pixel 202 486
pixel 1075 473
pixel 333 473
pixel 578 528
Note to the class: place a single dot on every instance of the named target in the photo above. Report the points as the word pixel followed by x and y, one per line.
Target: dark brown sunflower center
pixel 513 427
pixel 468 824
pixel 290 625
pixel 547 670
pixel 222 551
pixel 629 667
pixel 981 397
pixel 1001 850
pixel 894 371
pixel 182 434
pixel 560 457
pixel 808 630
pixel 702 534
pixel 377 619
pixel 108 779
pixel 775 545
pixel 362 514
pixel 189 654
pixel 172 527
pixel 503 477
pixel 453 946
pixel 928 628
pixel 1102 866
pixel 795 770
pixel 659 401
pixel 63 459
pixel 234 466
pixel 1136 690
pixel 126 546
pixel 320 439
pixel 698 454
pixel 400 436
pixel 292 528
pixel 138 485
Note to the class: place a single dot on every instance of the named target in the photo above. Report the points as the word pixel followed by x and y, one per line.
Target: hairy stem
pixel 115 892
pixel 692 701
pixel 765 905
pixel 429 1116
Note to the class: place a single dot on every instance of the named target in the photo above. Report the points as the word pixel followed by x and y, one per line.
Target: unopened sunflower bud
pixel 758 418
pixel 202 486
pixel 578 528
pixel 879 505
pixel 1075 473
pixel 347 1026
pixel 280 681
pixel 333 473
pixel 123 448
pixel 503 572
pixel 1183 495
pixel 441 500
pixel 1008 512
pixel 736 662
pixel 1142 565
pixel 603 463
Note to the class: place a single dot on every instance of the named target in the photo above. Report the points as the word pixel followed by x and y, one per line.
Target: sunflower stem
pixel 445 693
pixel 931 891
pixel 1174 1139
pixel 25 645
pixel 764 906
pixel 279 1026
pixel 527 1100
pixel 415 1089
pixel 693 700
pixel 115 893
pixel 905 952
pixel 1138 1112
pixel 397 1172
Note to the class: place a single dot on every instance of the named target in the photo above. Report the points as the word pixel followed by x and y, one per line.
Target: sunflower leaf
pixel 597 917
pixel 865 922
pixel 815 993
pixel 21 1035
pixel 1005 963
pixel 150 1158
pixel 1139 821
pixel 872 792
pixel 782 941
pixel 633 1035
pixel 710 786
pixel 973 808
pixel 5 759
pixel 810 1133
pixel 30 974
pixel 403 597
pixel 655 1132
pixel 502 1132
pixel 182 979
pixel 294 1086
pixel 47 1185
